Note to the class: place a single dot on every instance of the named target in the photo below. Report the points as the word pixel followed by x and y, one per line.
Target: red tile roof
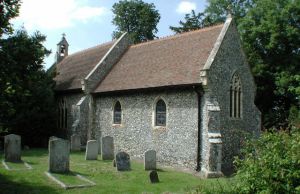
pixel 72 69
pixel 175 60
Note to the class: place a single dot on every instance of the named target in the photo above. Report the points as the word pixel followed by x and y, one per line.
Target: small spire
pixel 62 49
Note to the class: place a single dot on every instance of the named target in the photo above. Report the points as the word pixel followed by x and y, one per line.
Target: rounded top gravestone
pixel 122 161
pixel 12 148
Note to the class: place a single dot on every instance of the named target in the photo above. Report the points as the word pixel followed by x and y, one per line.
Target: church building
pixel 190 97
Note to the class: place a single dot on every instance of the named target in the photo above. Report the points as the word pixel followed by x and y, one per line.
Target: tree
pixel 217 10
pixel 137 18
pixel 26 98
pixel 270 32
pixel 192 21
pixel 8 10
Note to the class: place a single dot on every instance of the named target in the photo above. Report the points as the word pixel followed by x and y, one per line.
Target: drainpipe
pixel 198 168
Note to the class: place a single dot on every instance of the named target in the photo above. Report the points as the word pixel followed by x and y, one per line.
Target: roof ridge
pixel 178 35
pixel 91 48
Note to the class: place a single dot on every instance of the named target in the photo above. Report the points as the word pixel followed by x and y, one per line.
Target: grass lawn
pixel 106 177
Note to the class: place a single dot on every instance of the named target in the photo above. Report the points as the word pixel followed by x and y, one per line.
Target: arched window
pixel 235 97
pixel 117 113
pixel 160 113
pixel 62 114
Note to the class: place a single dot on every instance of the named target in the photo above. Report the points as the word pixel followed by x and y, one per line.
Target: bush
pixel 270 164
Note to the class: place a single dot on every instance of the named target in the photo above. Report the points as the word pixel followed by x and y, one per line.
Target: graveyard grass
pixel 106 177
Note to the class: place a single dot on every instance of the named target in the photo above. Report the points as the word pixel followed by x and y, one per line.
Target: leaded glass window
pixel 62 114
pixel 117 113
pixel 160 113
pixel 235 97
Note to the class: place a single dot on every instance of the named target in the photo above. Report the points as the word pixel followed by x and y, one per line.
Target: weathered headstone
pixel 107 148
pixel 150 160
pixel 153 176
pixel 122 161
pixel 91 152
pixel 12 148
pixel 59 155
pixel 114 163
pixel 75 142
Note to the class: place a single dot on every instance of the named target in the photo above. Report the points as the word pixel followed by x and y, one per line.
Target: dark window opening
pixel 235 104
pixel 160 118
pixel 117 113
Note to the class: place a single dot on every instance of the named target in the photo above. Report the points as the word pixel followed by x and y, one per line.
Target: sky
pixel 88 23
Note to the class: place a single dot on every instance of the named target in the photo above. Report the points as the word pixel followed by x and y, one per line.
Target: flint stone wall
pixel 175 144
pixel 230 59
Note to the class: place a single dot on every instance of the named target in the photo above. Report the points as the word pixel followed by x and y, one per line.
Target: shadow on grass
pixel 35 152
pixel 70 173
pixel 10 187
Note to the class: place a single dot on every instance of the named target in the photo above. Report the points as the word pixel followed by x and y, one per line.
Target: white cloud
pixel 57 14
pixel 186 7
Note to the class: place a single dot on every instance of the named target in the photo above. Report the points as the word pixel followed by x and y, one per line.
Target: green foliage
pixel 271 164
pixel 192 22
pixel 8 9
pixel 294 118
pixel 217 10
pixel 137 18
pixel 26 98
pixel 270 32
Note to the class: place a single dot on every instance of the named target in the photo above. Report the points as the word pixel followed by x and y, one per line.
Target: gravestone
pixel 122 161
pixel 59 155
pixel 107 148
pixel 99 142
pixel 75 142
pixel 153 176
pixel 12 148
pixel 150 160
pixel 91 152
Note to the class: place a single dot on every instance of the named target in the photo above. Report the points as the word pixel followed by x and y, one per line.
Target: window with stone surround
pixel 235 97
pixel 62 114
pixel 160 113
pixel 117 113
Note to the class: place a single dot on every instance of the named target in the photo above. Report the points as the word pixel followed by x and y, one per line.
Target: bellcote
pixel 62 49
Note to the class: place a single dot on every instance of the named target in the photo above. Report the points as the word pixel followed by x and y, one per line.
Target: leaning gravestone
pixel 150 160
pixel 12 148
pixel 59 155
pixel 107 148
pixel 91 150
pixel 75 142
pixel 153 176
pixel 122 161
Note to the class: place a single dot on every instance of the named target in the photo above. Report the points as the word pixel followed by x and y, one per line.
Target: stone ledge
pixel 28 167
pixel 65 186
